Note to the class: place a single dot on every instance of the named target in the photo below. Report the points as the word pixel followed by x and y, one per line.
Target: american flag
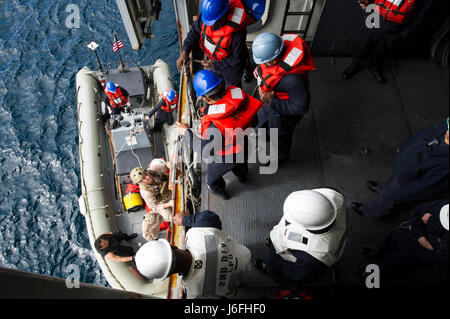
pixel 117 44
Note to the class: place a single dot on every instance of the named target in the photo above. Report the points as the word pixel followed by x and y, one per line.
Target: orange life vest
pixel 297 59
pixel 116 99
pixel 235 110
pixel 216 43
pixel 398 11
pixel 169 106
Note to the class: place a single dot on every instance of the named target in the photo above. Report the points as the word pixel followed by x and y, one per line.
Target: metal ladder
pixel 308 14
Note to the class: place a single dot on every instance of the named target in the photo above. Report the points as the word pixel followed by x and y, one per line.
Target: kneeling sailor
pixel 310 237
pixel 211 266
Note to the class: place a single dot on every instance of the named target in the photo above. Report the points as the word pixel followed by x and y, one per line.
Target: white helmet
pixel 310 209
pixel 158 165
pixel 154 259
pixel 443 216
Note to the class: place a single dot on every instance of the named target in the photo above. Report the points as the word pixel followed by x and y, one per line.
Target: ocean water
pixel 41 228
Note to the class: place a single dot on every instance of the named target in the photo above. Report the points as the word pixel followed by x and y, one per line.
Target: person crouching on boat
pixel 156 192
pixel 211 266
pixel 167 104
pixel 116 98
pixel 109 246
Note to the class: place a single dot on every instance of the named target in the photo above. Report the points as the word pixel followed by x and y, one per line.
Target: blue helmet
pixel 205 81
pixel 267 47
pixel 170 95
pixel 256 7
pixel 213 10
pixel 111 87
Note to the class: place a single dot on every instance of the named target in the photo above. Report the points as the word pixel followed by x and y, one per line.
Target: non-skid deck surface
pixel 345 117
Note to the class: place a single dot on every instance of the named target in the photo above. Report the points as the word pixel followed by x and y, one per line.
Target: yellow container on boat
pixel 133 202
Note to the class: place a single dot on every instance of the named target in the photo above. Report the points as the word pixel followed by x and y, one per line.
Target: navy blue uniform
pixel 401 252
pixel 232 67
pixel 306 269
pixel 286 114
pixel 373 43
pixel 162 116
pixel 203 219
pixel 421 172
pixel 216 171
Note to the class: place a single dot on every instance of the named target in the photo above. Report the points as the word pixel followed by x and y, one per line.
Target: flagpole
pixel 93 46
pixel 122 67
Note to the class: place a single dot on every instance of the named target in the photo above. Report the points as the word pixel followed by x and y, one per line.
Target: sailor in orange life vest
pixel 165 108
pixel 398 19
pixel 282 74
pixel 221 33
pixel 116 98
pixel 228 108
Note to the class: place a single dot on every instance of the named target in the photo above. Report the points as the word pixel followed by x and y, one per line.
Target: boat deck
pixel 131 222
pixel 345 117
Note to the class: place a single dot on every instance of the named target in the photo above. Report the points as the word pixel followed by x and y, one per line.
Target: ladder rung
pixel 295 31
pixel 304 13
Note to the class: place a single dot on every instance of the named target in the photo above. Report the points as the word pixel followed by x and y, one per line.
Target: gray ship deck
pixel 345 116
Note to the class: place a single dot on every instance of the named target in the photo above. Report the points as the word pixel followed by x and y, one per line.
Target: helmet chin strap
pixel 174 262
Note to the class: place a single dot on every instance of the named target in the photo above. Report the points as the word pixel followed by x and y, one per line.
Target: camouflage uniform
pixel 155 196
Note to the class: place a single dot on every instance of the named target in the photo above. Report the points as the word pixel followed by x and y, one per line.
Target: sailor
pixel 398 19
pixel 411 247
pixel 116 98
pixel 210 266
pixel 310 237
pixel 282 76
pixel 155 190
pixel 421 173
pixel 109 246
pixel 227 109
pixel 167 104
pixel 221 33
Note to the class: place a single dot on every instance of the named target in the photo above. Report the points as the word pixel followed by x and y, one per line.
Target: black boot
pixel 131 236
pixel 221 194
pixel 358 208
pixel 260 265
pixel 372 186
pixel 351 70
pixel 377 74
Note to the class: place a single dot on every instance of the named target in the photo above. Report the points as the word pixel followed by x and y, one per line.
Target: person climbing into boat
pixel 167 104
pixel 211 266
pixel 228 109
pixel 116 98
pixel 156 191
pixel 109 246
pixel 282 74
pixel 221 32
